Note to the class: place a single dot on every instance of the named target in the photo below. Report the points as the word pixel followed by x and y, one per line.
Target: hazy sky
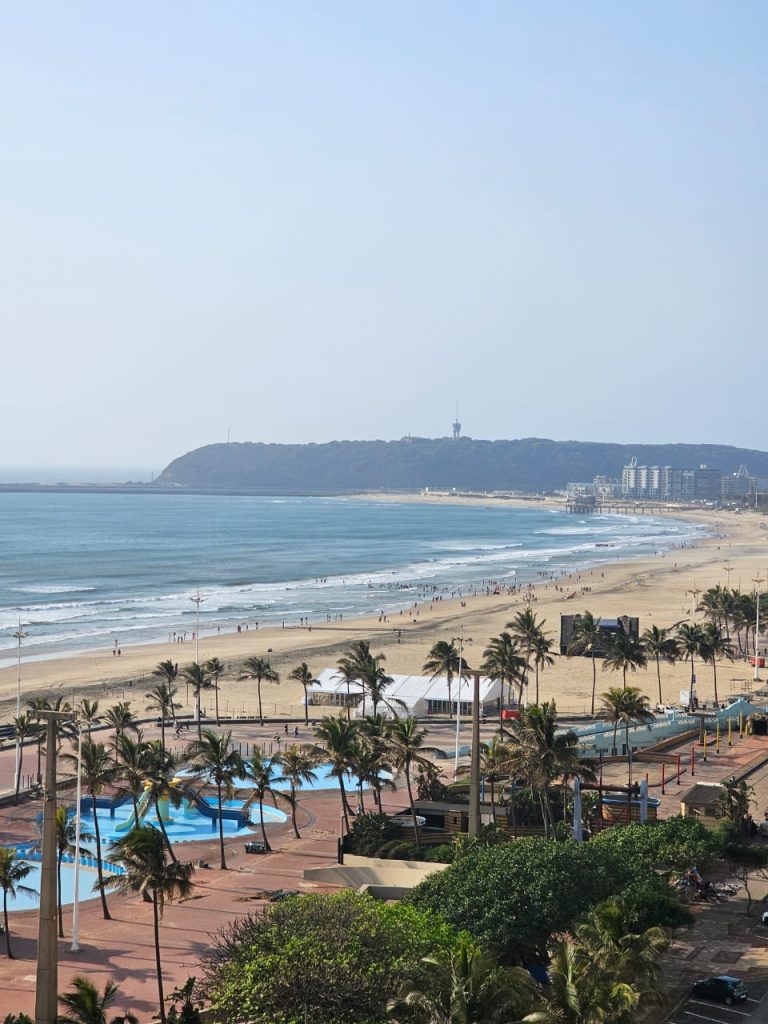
pixel 307 221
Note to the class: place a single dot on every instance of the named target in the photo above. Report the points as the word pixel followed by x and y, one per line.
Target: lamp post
pixel 461 641
pixel 694 592
pixel 728 570
pixel 473 828
pixel 19 636
pixel 758 580
pixel 75 947
pixel 47 986
pixel 197 600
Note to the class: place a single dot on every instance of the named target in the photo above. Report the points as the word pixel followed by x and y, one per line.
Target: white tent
pixel 406 695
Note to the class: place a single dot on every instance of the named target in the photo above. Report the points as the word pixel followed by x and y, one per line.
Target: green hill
pixel 529 464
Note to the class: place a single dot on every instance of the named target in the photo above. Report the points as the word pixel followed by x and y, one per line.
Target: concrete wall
pixel 372 871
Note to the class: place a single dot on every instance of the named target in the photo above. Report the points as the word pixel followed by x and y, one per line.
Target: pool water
pixel 88 877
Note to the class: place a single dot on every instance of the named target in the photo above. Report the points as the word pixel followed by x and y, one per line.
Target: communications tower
pixel 456 425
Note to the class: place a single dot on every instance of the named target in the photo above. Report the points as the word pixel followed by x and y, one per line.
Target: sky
pixel 311 221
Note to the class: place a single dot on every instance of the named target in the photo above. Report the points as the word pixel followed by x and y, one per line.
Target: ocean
pixel 83 571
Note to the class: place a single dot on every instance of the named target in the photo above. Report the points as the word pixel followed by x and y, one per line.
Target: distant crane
pixel 456 425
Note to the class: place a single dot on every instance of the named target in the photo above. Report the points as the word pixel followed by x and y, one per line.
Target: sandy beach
pixel 658 590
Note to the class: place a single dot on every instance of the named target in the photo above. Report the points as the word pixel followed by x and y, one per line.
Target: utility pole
pixel 758 580
pixel 19 636
pixel 474 779
pixel 47 986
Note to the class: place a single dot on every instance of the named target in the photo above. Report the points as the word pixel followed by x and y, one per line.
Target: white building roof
pixel 410 689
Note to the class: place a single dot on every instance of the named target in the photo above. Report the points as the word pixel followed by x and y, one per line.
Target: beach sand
pixel 657 590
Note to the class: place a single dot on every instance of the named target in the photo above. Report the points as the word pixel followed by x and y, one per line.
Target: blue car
pixel 722 989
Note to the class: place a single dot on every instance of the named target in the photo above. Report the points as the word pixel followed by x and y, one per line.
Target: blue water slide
pixel 211 811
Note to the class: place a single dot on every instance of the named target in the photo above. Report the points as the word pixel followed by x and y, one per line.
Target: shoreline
pixel 659 586
pixel 392 607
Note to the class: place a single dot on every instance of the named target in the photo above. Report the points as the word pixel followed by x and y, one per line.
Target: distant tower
pixel 457 425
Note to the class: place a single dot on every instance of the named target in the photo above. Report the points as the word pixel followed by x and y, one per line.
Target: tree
pixel 541 753
pixel 297 769
pixel 494 767
pixel 660 645
pixel 616 951
pixel 66 836
pixel 587 639
pixel 120 717
pixel 199 679
pixel 131 760
pixel 321 958
pixel 23 726
pixel 142 853
pixel 98 770
pixel 542 659
pixel 445 660
pixel 84 1005
pixel 214 759
pixel 407 740
pixel 690 641
pixel 88 712
pixel 262 772
pixel 160 700
pixel 360 664
pixel 339 738
pixel 215 668
pixel 13 871
pixel 465 985
pixel 371 759
pixel 502 661
pixel 260 670
pixel 301 674
pixel 736 799
pixel 527 631
pixel 35 704
pixel 624 652
pixel 160 782
pixel 714 646
pixel 628 707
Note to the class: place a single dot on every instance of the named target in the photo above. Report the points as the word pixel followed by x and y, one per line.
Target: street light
pixel 728 570
pixel 694 592
pixel 75 947
pixel 197 600
pixel 19 636
pixel 460 640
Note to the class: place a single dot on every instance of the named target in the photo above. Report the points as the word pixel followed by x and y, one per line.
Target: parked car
pixel 722 989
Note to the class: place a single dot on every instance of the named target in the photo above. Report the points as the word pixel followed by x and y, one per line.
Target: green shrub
pixel 369 832
pixel 324 958
pixel 442 854
pixel 678 842
pixel 648 902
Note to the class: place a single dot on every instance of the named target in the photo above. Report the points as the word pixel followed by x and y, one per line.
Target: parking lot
pixel 695 1011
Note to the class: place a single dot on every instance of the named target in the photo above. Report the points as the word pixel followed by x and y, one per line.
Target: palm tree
pixel 216 668
pixel 86 1006
pixel 301 674
pixel 167 671
pixel 715 646
pixel 627 957
pixel 297 769
pixel 346 670
pixel 262 773
pixel 587 638
pixel 215 760
pixel 160 782
pixel 160 700
pixel 147 871
pixel 407 745
pixel 120 717
pixel 526 630
pixel 444 660
pixel 35 704
pixel 372 757
pixel 542 659
pixel 577 993
pixel 465 986
pixel 131 759
pixel 540 752
pixel 660 645
pixel 23 726
pixel 88 712
pixel 66 835
pixel 690 640
pixel 624 652
pixel 368 670
pixel 494 767
pixel 199 679
pixel 260 670
pixel 502 660
pixel 628 706
pixel 339 738
pixel 13 871
pixel 98 770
